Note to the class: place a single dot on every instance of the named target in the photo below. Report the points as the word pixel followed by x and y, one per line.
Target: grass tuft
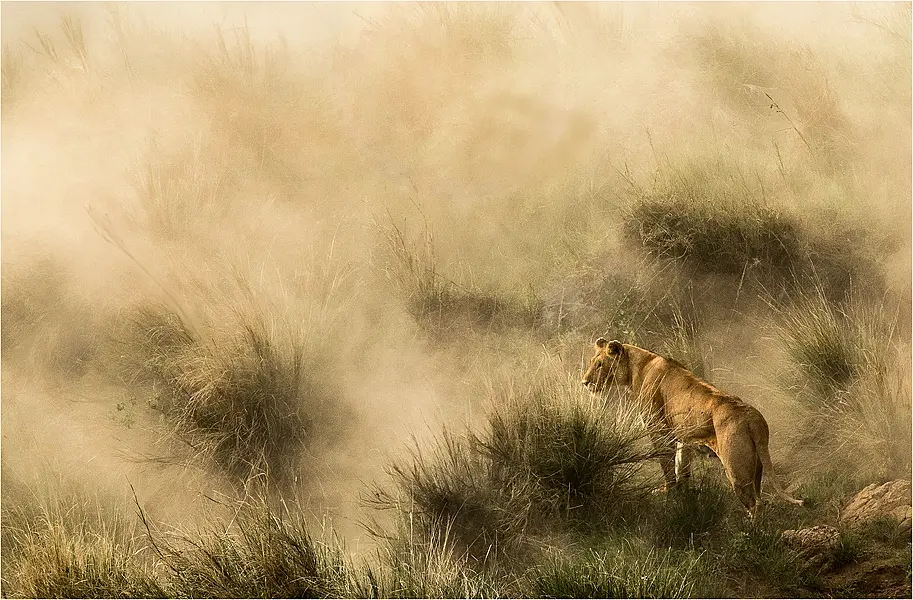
pixel 262 551
pixel 583 458
pixel 550 458
pixel 449 497
pixel 707 215
pixel 249 397
pixel 71 547
pixel 627 572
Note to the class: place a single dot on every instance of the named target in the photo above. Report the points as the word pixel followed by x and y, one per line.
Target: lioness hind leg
pixel 742 474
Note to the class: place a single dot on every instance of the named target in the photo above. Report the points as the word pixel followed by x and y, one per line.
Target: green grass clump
pixel 828 345
pixel 626 572
pixel 451 497
pixel 249 398
pixel 408 567
pixel 705 214
pixel 583 458
pixel 715 238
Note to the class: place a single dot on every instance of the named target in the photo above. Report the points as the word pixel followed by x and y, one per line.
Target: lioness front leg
pixel 666 452
pixel 684 457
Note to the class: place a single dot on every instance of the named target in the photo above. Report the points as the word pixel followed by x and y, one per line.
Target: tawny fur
pixel 679 405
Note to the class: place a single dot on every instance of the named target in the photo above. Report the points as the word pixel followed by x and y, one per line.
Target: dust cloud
pixel 242 162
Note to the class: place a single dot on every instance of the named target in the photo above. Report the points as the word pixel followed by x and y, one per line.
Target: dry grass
pixel 734 163
pixel 852 375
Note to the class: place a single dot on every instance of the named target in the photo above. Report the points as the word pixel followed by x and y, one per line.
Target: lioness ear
pixel 601 343
pixel 615 347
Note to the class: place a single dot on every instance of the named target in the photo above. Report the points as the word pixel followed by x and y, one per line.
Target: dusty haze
pixel 510 132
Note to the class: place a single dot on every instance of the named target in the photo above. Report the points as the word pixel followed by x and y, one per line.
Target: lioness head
pixel 608 367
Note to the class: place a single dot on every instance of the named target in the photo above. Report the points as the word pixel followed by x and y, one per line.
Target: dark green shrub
pixel 451 496
pixel 583 458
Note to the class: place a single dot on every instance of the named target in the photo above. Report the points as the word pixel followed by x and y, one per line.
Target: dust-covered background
pixel 298 239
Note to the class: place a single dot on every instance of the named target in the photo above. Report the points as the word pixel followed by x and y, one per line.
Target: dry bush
pixel 852 381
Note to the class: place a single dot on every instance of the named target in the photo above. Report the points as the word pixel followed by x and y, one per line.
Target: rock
pixel 891 500
pixel 815 545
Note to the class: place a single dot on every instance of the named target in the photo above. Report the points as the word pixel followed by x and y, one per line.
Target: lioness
pixel 682 406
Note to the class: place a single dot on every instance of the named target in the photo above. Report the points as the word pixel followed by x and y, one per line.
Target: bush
pixel 408 567
pixel 583 458
pixel 452 498
pixel 550 458
pixel 703 214
pixel 249 398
